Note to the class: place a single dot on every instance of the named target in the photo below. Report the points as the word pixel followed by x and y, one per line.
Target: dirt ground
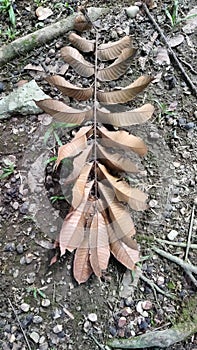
pixel 52 309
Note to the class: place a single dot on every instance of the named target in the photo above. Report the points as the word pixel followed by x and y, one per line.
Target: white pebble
pixel 58 328
pixel 25 307
pixel 172 235
pixel 45 302
pixel 92 317
pixel 35 337
pixel 132 11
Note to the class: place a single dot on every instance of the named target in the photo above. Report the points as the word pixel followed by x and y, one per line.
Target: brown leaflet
pixel 80 184
pixel 78 163
pixel 112 50
pixel 82 268
pixel 77 62
pixel 81 44
pixel 124 193
pixel 118 68
pixel 115 161
pixel 68 89
pixel 99 244
pixel 119 215
pixel 136 116
pixel 81 24
pixel 63 113
pixel 126 94
pixel 122 139
pixel 72 231
pixel 71 149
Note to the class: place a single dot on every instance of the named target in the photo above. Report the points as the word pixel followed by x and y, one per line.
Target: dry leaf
pixel 68 89
pixel 112 50
pixel 118 68
pixel 63 113
pixel 77 62
pixel 81 44
pixel 81 24
pixel 136 116
pixel 43 12
pixel 126 94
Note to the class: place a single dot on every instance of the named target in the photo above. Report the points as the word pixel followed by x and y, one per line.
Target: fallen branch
pixel 40 37
pixel 170 51
pixel 190 233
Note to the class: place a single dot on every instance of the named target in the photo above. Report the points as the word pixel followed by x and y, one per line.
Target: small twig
pixel 190 233
pixel 155 287
pixel 176 260
pixel 192 278
pixel 188 65
pixel 20 325
pixel 171 52
pixel 177 244
pixel 101 346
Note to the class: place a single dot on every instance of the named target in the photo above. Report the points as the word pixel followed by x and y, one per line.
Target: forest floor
pixel 52 309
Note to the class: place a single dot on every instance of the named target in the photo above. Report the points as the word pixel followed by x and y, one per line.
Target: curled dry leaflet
pixel 99 220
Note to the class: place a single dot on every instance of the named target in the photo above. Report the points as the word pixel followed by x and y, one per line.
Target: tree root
pixel 40 37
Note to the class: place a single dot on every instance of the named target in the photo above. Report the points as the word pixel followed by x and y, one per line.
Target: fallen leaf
pixel 162 56
pixel 43 12
pixel 191 22
pixel 175 40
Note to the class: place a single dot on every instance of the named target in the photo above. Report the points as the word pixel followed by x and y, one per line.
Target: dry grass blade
pixel 82 268
pixel 118 68
pixel 124 193
pixel 126 94
pixel 68 89
pixel 77 62
pixel 78 164
pixel 71 149
pixel 80 184
pixel 122 139
pixel 116 161
pixel 81 44
pixel 99 244
pixel 63 113
pixel 112 50
pixel 136 116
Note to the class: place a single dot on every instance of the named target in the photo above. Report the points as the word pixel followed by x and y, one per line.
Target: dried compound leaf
pixel 136 116
pixel 118 68
pixel 68 89
pixel 126 94
pixel 77 62
pixel 81 44
pixel 80 184
pixel 112 50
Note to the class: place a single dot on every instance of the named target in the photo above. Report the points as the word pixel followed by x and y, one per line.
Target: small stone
pixel 160 280
pixel 25 307
pixel 42 339
pixel 153 203
pixel 147 305
pixel 45 302
pixel 112 331
pixel 92 317
pixel 37 319
pixel 58 328
pixel 15 205
pixel 35 337
pixel 27 321
pixel 10 247
pixel 126 311
pixel 1 87
pixel 86 326
pixel 122 322
pixel 12 338
pixel 19 248
pixel 43 346
pixel 143 325
pixel 51 52
pixel 29 258
pixel 172 235
pixel 132 11
pixel 189 126
pixel 31 278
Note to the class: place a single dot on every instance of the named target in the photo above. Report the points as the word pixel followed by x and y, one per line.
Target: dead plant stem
pixel 20 325
pixel 190 233
pixel 171 52
pixel 155 288
pixel 176 244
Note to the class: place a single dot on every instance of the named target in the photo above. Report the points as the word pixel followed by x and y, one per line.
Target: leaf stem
pixel 94 109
